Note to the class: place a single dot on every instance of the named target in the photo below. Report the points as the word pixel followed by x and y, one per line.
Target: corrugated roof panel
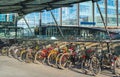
pixel 28 6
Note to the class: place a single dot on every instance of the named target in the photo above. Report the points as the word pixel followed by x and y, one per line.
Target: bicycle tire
pixel 64 61
pixel 95 64
pixel 85 64
pixel 21 55
pixel 116 67
pixel 39 59
pixel 52 59
pixel 27 58
pixel 57 60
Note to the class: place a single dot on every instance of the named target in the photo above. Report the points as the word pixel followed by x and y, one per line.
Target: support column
pixel 60 16
pixel 117 12
pixel 78 13
pixel 93 12
pixel 106 16
pixel 40 23
pixel 15 23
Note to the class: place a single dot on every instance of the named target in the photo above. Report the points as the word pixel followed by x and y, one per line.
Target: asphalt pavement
pixel 10 67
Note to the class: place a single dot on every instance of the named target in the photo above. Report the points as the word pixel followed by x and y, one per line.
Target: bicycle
pixel 42 54
pixel 62 50
pixel 53 55
pixel 68 58
pixel 90 62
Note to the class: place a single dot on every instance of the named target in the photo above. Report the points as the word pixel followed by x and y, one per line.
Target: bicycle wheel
pixel 116 66
pixel 9 52
pixel 39 58
pixel 95 66
pixel 57 59
pixel 15 55
pixel 22 55
pixel 85 66
pixel 28 58
pixel 64 61
pixel 52 59
pixel 4 51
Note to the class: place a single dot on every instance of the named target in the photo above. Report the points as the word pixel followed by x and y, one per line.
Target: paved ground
pixel 10 67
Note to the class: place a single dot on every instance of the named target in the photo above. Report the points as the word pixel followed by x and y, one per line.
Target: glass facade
pixel 80 14
pixel 85 12
pixel 48 19
pixel 74 16
pixel 9 32
pixel 32 20
pixel 98 19
pixel 6 17
pixel 2 17
pixel 7 26
pixel 111 12
pixel 68 15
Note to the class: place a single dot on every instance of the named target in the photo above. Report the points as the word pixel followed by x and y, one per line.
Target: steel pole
pixel 60 16
pixel 78 13
pixel 15 23
pixel 117 11
pixel 106 15
pixel 93 11
pixel 105 26
pixel 40 23
pixel 57 24
pixel 27 25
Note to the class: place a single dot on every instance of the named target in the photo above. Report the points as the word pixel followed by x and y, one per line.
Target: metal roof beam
pixel 23 6
pixel 23 2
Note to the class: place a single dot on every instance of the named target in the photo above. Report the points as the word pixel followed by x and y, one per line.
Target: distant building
pixel 7 19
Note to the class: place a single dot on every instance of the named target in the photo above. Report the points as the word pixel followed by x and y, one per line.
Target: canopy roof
pixel 28 6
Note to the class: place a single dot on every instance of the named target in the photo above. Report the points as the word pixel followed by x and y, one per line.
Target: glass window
pixel 47 18
pixel 2 17
pixel 32 20
pixel 98 19
pixel 85 12
pixel 11 18
pixel 111 2
pixel 111 12
pixel 69 15
pixel 101 2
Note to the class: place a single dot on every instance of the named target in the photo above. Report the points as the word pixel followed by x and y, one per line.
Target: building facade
pixel 7 19
pixel 73 16
pixel 70 14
